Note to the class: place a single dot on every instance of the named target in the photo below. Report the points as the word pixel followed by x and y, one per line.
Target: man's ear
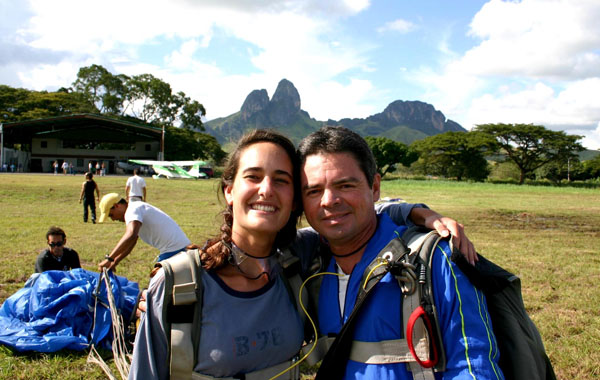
pixel 376 187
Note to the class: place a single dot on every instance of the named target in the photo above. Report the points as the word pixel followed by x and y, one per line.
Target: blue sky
pixel 529 61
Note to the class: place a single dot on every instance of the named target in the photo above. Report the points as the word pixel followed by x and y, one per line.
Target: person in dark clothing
pixel 87 195
pixel 57 256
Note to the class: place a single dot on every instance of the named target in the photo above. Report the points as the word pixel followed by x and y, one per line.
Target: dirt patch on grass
pixel 521 220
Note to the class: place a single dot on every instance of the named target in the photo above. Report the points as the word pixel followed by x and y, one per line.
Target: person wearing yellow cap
pixel 143 220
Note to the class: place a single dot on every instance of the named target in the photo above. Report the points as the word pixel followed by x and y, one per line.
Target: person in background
pixel 141 219
pixel 65 167
pixel 56 256
pixel 88 188
pixel 135 188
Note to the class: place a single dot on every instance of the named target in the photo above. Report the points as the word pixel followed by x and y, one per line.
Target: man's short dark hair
pixel 53 230
pixel 340 140
pixel 135 171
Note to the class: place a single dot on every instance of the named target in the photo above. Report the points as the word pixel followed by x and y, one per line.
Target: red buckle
pixel 419 312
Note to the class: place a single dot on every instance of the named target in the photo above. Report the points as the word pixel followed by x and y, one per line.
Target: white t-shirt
pixel 136 186
pixel 158 229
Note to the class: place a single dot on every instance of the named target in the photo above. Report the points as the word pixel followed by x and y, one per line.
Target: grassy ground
pixel 548 236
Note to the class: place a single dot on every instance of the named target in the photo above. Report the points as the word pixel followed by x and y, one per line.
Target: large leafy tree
pixel 185 144
pixel 18 104
pixel 455 154
pixel 101 88
pixel 532 146
pixel 388 153
pixel 144 97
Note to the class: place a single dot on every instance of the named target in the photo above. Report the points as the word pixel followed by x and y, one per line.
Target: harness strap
pixel 183 272
pixel 323 344
pixel 428 340
pixel 334 362
pixel 385 351
pixel 261 374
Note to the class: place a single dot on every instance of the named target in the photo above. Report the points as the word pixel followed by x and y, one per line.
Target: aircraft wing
pixel 152 162
pixel 169 163
pixel 189 163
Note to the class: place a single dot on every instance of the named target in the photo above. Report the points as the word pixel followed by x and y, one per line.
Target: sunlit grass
pixel 549 236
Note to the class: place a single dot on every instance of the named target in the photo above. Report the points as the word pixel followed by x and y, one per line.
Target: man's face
pixel 337 199
pixel 117 212
pixel 56 244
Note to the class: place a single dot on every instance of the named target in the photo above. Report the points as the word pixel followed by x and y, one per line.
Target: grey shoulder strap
pixel 183 291
pixel 421 243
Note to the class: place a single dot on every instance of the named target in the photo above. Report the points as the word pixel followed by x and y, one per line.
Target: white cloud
pixel 575 109
pixel 332 100
pixel 46 76
pixel 399 25
pixel 539 38
pixel 592 139
pixel 111 34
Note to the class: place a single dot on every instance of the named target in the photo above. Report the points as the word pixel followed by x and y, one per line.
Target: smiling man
pixel 339 184
pixel 57 256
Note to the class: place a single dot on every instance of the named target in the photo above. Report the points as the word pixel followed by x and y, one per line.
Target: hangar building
pixel 78 140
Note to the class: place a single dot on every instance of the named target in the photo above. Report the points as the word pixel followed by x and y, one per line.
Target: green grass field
pixel 548 236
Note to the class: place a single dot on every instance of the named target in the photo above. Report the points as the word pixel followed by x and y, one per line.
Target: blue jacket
pixel 469 343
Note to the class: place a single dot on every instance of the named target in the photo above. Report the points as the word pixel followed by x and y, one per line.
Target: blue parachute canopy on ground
pixel 55 310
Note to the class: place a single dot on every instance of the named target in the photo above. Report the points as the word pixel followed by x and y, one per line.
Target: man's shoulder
pixel 69 250
pixel 43 254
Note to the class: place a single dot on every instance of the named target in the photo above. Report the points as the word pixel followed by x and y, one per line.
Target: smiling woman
pixel 244 301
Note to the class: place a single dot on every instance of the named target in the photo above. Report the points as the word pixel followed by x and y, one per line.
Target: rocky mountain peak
pixel 402 112
pixel 416 114
pixel 255 102
pixel 404 121
pixel 285 103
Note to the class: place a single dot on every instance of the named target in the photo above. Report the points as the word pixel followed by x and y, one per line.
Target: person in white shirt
pixel 142 220
pixel 135 189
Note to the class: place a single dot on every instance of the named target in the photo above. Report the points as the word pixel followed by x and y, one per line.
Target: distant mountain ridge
pixel 404 121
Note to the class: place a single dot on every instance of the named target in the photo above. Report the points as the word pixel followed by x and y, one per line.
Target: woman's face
pixel 262 193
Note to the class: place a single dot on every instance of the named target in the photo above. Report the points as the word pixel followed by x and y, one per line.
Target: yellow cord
pixel 382 263
pixel 311 322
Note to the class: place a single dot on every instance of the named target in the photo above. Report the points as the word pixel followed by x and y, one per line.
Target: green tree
pixel 191 112
pixel 18 104
pixel 388 153
pixel 591 168
pixel 143 97
pixel 185 144
pixel 556 171
pixel 101 88
pixel 532 146
pixel 455 154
